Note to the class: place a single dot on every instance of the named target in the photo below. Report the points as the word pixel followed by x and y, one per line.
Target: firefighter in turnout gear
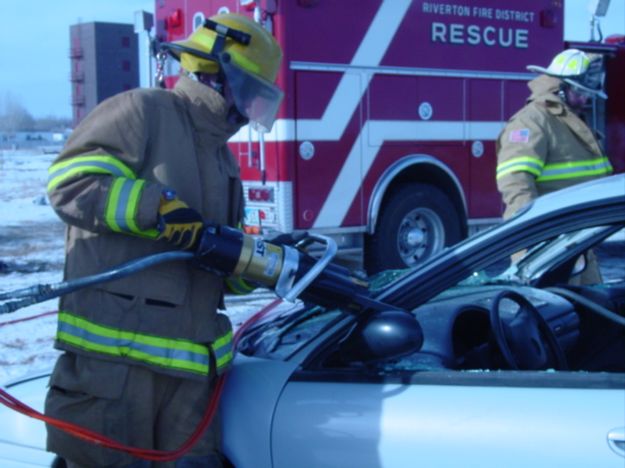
pixel 139 176
pixel 547 145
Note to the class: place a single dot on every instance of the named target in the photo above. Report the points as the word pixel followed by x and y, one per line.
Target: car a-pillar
pixel 422 211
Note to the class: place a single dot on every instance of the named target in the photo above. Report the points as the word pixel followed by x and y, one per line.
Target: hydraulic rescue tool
pixel 286 269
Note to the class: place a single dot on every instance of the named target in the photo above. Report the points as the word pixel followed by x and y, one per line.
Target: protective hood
pixel 544 85
pixel 207 108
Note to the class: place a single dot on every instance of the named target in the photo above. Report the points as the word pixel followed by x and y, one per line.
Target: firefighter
pixel 139 176
pixel 547 145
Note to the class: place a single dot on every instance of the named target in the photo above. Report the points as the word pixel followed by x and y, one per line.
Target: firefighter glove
pixel 177 223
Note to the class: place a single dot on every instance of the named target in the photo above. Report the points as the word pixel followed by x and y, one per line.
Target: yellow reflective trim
pixel 133 208
pixel 83 165
pixel 93 158
pixel 576 169
pixel 224 340
pixel 519 168
pixel 573 164
pixel 120 343
pixel 222 348
pixel 82 333
pixel 122 206
pixel 111 205
pixel 125 351
pixel 574 175
pixel 521 159
pixel 224 360
pixel 103 330
pixel 520 164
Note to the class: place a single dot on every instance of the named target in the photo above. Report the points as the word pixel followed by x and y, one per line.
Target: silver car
pixel 507 363
pixel 490 354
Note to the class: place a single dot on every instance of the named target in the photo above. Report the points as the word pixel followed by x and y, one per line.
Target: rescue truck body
pixel 386 136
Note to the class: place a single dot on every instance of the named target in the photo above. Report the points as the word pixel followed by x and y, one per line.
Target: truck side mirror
pixel 382 335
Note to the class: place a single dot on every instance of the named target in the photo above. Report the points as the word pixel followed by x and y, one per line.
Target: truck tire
pixel 416 221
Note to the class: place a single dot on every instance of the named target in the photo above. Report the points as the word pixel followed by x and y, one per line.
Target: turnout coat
pixel 544 147
pixel 106 185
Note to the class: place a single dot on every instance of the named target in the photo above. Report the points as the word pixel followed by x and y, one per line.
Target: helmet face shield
pixel 582 88
pixel 257 99
pixel 591 82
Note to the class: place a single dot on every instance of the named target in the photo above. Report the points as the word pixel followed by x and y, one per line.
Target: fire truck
pixel 385 139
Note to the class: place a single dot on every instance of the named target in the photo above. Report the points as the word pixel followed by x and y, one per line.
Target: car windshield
pixel 281 337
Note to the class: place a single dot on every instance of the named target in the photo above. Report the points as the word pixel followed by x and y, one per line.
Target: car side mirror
pixel 383 335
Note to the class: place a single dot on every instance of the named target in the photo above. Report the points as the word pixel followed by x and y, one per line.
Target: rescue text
pixel 460 34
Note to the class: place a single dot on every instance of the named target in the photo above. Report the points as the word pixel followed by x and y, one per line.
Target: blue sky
pixel 34 47
pixel 34 40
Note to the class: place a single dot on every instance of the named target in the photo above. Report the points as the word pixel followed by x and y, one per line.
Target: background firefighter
pixel 547 145
pixel 139 175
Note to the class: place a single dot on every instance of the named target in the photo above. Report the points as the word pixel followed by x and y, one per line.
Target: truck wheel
pixel 417 221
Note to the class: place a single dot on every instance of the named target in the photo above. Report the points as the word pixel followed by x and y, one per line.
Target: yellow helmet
pixel 245 54
pixel 261 56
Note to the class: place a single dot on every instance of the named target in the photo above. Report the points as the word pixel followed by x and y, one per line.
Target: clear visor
pixel 593 80
pixel 256 98
pixel 590 84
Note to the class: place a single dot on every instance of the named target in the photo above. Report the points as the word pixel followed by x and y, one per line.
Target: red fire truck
pixel 386 137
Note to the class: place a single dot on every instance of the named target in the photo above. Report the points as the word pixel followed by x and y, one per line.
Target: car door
pixel 469 419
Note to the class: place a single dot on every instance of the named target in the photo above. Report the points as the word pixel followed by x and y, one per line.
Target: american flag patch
pixel 519 136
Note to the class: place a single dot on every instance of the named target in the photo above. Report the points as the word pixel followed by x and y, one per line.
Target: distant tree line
pixel 14 117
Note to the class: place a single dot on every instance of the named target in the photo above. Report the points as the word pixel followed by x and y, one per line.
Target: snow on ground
pixel 31 252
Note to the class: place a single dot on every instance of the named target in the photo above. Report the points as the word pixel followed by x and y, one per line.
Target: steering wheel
pixel 524 337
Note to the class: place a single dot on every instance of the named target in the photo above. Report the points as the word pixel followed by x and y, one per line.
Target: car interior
pixel 491 321
pixel 553 323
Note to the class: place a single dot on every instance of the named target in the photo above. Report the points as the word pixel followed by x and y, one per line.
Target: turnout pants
pixel 132 405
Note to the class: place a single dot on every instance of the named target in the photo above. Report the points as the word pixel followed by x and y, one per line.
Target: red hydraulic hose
pixel 147 454
pixel 25 319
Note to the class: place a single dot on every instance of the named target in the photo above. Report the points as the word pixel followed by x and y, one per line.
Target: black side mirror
pixel 383 335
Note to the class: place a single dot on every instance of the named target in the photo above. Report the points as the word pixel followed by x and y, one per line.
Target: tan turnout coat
pixel 171 139
pixel 544 147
